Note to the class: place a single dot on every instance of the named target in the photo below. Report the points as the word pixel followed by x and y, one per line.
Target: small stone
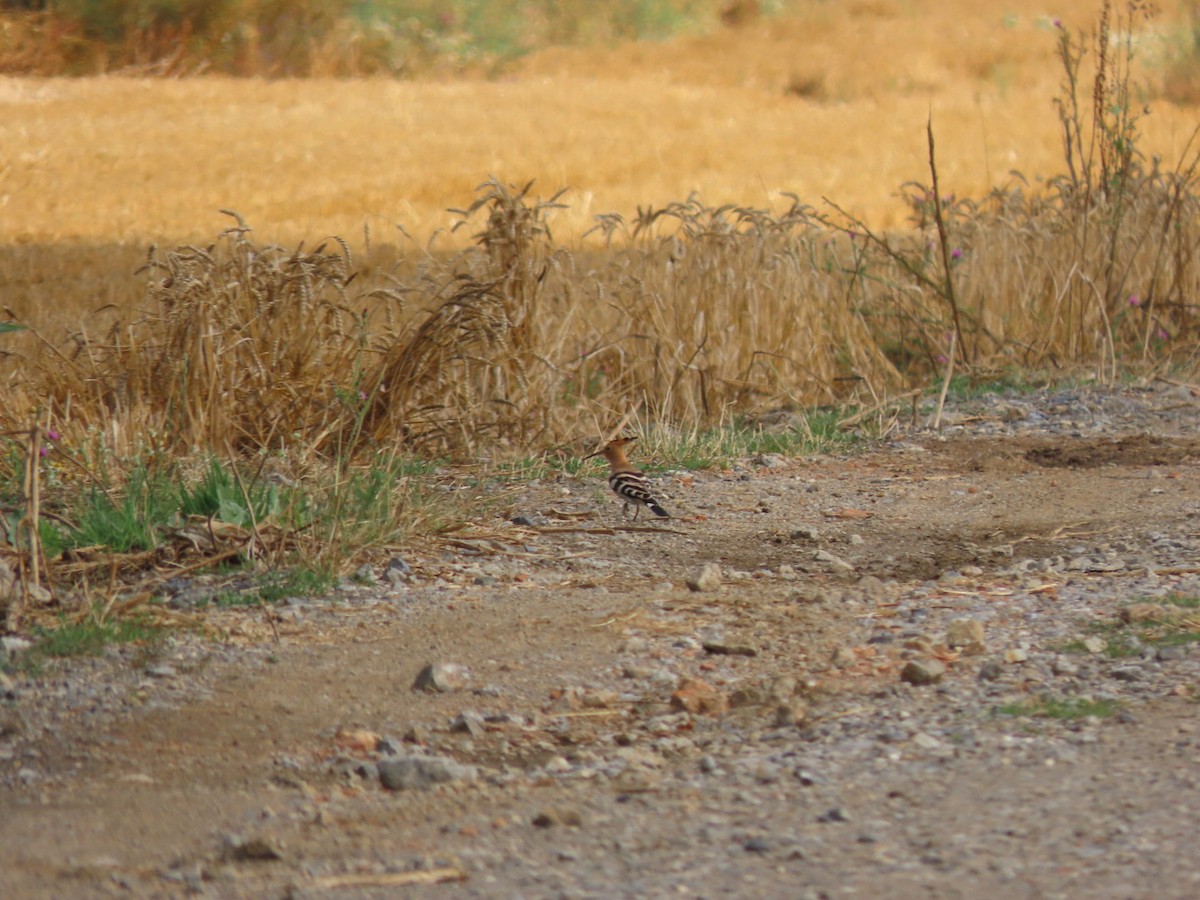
pixel 421 772
pixel 873 588
pixel 636 780
pixel 922 645
pixel 770 460
pixel 926 741
pixel 1127 673
pixel 357 741
pixel 643 673
pixel 990 671
pixel 1015 655
pixel 599 698
pixel 707 579
pixel 830 559
pixel 397 573
pixel 923 671
pixel 443 678
pixel 1095 645
pixel 38 594
pixel 806 534
pixel 844 657
pixel 558 815
pixel 523 521
pixel 963 632
pixel 699 698
pixel 470 722
pixel 364 574
pixel 413 734
pixel 1168 654
pixel 783 688
pixel 161 671
pixel 721 648
pixel 13 647
pixel 256 849
pixel 1063 665
pixel 788 715
pixel 756 845
pixel 748 696
pixel 837 814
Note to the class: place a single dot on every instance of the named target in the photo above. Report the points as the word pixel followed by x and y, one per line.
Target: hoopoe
pixel 626 481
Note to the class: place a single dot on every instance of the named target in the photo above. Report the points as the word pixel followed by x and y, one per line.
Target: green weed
pixel 1128 640
pixel 90 637
pixel 1186 601
pixel 222 495
pixel 300 582
pixel 278 585
pixel 663 448
pixel 1061 708
pixel 972 386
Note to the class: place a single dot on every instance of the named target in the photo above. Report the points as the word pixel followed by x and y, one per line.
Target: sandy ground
pixel 249 767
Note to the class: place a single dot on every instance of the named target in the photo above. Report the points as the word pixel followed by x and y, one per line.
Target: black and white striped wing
pixel 632 487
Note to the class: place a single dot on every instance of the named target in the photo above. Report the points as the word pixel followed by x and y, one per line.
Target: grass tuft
pixel 90 637
pixel 1061 708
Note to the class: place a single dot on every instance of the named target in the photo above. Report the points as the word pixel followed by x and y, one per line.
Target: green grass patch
pixel 296 583
pixel 1122 640
pixel 89 637
pixel 1185 601
pixel 278 585
pixel 817 432
pixel 965 386
pixel 1061 708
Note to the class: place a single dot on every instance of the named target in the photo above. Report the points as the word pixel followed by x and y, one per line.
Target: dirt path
pixel 801 764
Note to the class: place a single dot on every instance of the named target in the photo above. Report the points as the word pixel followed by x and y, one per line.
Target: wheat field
pixel 830 102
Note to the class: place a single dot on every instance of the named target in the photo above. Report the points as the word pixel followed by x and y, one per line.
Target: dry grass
pixel 95 170
pixel 532 320
pixel 754 292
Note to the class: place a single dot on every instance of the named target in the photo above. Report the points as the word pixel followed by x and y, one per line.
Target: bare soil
pixel 226 768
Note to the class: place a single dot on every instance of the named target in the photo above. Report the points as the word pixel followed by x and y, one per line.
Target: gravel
pixel 803 722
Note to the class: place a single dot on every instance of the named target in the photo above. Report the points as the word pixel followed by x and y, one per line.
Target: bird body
pixel 626 481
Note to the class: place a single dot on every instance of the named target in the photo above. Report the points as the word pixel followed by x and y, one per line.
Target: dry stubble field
pixel 831 103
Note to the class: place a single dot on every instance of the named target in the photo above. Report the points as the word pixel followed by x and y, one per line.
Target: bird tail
pixel 633 488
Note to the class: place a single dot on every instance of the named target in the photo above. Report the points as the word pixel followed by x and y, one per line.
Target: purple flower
pixel 1162 334
pixel 956 253
pixel 52 435
pixel 42 451
pixel 942 359
pixel 1058 23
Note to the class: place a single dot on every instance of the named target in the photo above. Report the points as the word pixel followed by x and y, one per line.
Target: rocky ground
pixel 950 665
